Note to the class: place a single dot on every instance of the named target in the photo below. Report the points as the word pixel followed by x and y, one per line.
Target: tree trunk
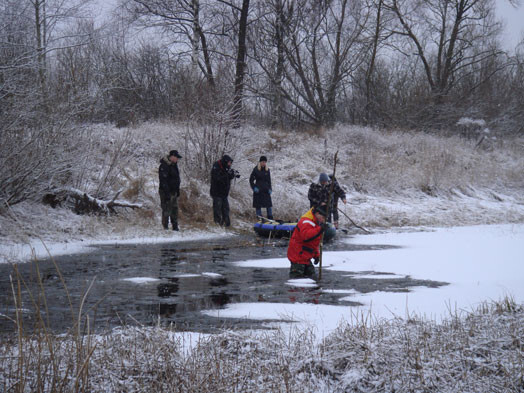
pixel 240 64
pixel 371 68
pixel 277 114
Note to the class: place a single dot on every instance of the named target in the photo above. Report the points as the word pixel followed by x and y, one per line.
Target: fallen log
pixel 87 204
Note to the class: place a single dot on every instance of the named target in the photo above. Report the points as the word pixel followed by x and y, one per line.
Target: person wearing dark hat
pixel 319 194
pixel 169 188
pixel 221 176
pixel 304 245
pixel 260 182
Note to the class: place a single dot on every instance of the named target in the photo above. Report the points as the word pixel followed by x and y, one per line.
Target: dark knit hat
pixel 175 153
pixel 263 158
pixel 323 178
pixel 320 210
pixel 226 159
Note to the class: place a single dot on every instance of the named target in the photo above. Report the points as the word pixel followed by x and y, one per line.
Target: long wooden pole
pixel 328 208
pixel 353 222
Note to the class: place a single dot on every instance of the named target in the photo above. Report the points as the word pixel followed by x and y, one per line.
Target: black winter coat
pixel 169 177
pixel 319 193
pixel 221 177
pixel 261 178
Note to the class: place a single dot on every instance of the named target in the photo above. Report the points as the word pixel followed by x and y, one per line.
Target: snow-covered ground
pixel 38 248
pixel 392 179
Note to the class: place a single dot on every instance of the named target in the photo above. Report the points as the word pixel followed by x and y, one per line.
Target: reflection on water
pixel 189 277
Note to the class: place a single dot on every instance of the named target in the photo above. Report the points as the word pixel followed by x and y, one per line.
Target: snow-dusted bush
pixel 34 161
pixel 480 352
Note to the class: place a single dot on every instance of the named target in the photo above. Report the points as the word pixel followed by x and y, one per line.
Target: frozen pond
pixel 482 264
pixel 242 282
pixel 174 283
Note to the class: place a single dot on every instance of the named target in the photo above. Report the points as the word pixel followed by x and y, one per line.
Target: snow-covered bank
pixel 392 179
pixel 37 249
pixel 62 232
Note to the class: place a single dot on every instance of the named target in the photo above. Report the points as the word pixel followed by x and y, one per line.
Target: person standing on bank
pixel 221 176
pixel 304 244
pixel 169 189
pixel 260 182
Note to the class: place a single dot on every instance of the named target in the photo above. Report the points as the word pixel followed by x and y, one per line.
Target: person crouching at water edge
pixel 305 242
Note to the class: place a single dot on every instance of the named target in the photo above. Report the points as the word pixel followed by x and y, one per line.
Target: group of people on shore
pixel 222 173
pixel 303 249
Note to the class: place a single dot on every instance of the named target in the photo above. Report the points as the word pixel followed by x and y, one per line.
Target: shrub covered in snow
pixel 482 352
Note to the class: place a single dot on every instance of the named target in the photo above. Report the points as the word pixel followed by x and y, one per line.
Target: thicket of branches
pixel 285 63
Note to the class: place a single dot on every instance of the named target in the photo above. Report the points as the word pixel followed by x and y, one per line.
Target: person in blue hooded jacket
pixel 260 182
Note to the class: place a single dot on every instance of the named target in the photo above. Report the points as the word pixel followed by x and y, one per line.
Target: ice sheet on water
pixel 302 282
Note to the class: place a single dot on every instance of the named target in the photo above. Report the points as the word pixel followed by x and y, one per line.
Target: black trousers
pixel 169 204
pixel 221 211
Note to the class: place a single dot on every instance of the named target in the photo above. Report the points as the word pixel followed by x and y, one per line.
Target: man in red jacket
pixel 305 242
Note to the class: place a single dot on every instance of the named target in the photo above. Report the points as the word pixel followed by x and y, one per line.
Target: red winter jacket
pixel 305 241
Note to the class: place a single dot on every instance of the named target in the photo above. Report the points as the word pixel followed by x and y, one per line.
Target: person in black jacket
pixel 221 175
pixel 318 195
pixel 260 182
pixel 169 188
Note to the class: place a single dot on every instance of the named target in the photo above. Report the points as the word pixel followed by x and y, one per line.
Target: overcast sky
pixel 514 20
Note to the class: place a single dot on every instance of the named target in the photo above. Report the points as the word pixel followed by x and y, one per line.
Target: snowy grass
pixel 480 352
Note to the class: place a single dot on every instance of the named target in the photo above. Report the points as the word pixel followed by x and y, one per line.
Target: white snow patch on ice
pixel 376 276
pixel 265 263
pixel 349 291
pixel 302 282
pixel 325 318
pixel 141 280
pixel 186 275
pixel 212 275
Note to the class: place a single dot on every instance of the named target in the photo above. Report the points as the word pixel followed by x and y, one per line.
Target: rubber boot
pixel 175 226
pixel 165 222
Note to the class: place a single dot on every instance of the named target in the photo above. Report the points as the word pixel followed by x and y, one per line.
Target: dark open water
pixel 173 299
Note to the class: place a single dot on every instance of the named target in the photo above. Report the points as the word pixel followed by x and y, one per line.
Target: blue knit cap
pixel 323 178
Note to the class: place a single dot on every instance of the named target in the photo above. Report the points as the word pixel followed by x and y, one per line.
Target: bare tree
pixel 240 60
pixel 182 20
pixel 37 150
pixel 321 46
pixel 447 36
pixel 267 39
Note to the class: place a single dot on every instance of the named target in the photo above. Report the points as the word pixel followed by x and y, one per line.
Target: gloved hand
pixel 270 192
pixel 324 226
pixel 316 260
pixel 256 190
